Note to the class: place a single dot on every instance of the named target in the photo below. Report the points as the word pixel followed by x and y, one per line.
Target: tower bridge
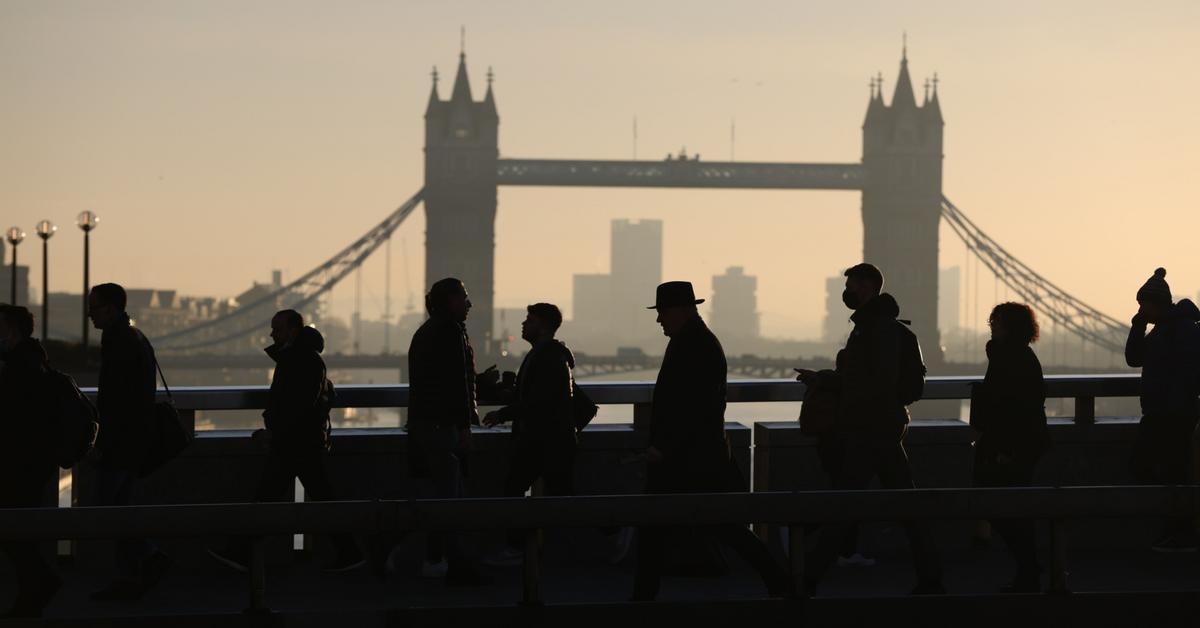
pixel 899 178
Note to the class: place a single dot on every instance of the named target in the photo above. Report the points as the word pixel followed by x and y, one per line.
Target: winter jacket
pixel 868 373
pixel 1009 407
pixel 299 400
pixel 1169 357
pixel 542 406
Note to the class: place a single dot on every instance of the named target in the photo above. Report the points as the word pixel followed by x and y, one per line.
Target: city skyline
pixel 128 134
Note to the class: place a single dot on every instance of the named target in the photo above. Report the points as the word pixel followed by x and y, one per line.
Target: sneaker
pixel 505 557
pixel 153 569
pixel 236 563
pixel 855 560
pixel 1175 544
pixel 343 564
pixel 119 591
pixel 434 570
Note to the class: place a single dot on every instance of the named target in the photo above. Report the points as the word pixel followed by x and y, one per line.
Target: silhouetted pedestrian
pixel 297 433
pixel 27 462
pixel 689 450
pixel 1009 411
pixel 1169 357
pixel 877 375
pixel 543 426
pixel 442 407
pixel 125 401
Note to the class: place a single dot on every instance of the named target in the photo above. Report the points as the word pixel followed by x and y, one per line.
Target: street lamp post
pixel 45 229
pixel 87 221
pixel 15 235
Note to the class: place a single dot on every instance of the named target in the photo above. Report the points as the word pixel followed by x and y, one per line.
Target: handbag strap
pixel 158 367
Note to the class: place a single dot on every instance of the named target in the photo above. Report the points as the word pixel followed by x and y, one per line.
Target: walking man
pixel 543 429
pixel 125 401
pixel 875 374
pixel 689 450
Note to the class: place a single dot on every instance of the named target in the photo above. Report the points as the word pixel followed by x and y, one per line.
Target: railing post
pixel 796 560
pixel 1085 410
pixel 257 573
pixel 531 575
pixel 641 416
pixel 1058 559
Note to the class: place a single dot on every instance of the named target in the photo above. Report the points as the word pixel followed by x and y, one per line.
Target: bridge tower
pixel 460 195
pixel 901 200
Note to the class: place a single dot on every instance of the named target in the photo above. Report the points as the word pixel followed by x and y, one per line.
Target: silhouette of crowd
pixel 857 412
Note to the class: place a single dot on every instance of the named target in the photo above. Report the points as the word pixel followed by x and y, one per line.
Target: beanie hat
pixel 1156 290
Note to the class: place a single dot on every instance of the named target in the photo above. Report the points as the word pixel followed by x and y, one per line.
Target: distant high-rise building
pixel 636 270
pixel 591 311
pixel 734 304
pixel 949 299
pixel 837 318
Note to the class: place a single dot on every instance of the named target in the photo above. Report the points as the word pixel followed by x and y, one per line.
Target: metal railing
pixel 793 509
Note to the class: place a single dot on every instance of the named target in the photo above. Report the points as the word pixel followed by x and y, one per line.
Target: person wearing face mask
pixel 872 419
pixel 689 450
pixel 1169 356
pixel 27 463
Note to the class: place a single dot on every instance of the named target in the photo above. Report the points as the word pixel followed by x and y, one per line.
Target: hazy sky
pixel 220 139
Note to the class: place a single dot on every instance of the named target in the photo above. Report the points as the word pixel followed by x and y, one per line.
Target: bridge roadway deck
pixel 577 591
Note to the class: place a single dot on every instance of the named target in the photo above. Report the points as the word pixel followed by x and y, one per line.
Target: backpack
pixel 73 417
pixel 911 381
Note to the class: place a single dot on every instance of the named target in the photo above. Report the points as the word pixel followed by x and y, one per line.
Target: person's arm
pixel 1135 344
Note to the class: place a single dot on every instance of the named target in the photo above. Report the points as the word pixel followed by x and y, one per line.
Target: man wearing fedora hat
pixel 688 450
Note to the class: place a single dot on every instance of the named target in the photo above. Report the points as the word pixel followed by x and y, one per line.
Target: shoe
pixel 432 570
pixel 466 577
pixel 855 560
pixel 929 588
pixel 1175 544
pixel 343 564
pixel 505 557
pixel 153 569
pixel 119 591
pixel 31 605
pixel 229 559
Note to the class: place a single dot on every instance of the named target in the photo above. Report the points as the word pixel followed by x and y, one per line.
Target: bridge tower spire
pixel 901 202
pixel 461 149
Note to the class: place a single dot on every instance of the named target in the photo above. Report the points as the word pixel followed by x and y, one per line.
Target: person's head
pixel 285 326
pixel 1154 297
pixel 542 320
pixel 1015 322
pixel 676 304
pixel 447 298
pixel 16 326
pixel 863 283
pixel 106 305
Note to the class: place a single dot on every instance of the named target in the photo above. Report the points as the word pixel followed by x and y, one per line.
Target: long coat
pixel 688 417
pixel 27 450
pixel 1009 407
pixel 297 410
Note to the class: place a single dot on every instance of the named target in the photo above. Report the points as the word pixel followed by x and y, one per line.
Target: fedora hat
pixel 674 293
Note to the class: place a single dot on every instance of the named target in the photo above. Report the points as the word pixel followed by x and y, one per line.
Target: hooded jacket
pixel 298 403
pixel 1169 357
pixel 542 408
pixel 125 396
pixel 27 449
pixel 868 373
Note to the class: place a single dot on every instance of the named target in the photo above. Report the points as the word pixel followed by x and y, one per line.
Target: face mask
pixel 850 299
